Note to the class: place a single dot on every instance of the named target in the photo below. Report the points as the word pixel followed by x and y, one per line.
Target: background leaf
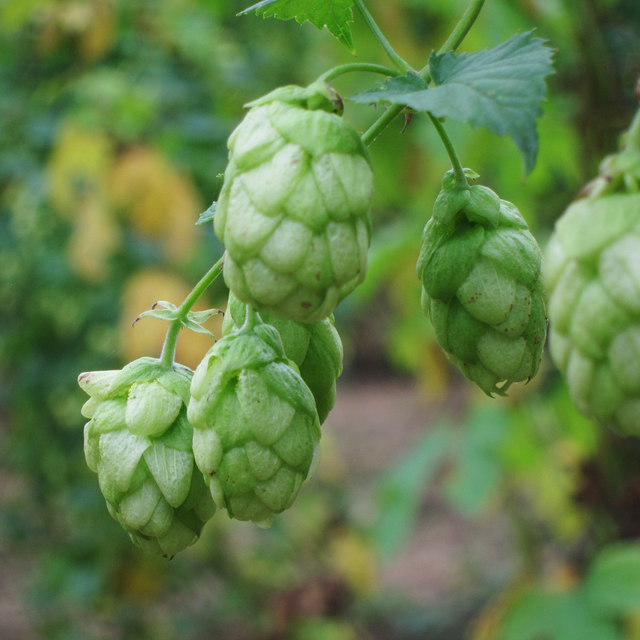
pixel 402 487
pixel 545 615
pixel 500 89
pixel 333 14
pixel 613 582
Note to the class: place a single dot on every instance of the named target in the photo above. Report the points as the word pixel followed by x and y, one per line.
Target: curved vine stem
pixel 380 37
pixel 458 170
pixel 451 44
pixel 352 67
pixel 171 339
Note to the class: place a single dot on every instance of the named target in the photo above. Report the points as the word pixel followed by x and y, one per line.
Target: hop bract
pixel 593 275
pixel 293 212
pixel 256 429
pixel 315 347
pixel 480 270
pixel 138 441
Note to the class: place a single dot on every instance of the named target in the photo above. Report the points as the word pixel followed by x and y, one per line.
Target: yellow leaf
pixel 99 32
pixel 78 168
pixel 95 237
pixel 157 200
pixel 351 556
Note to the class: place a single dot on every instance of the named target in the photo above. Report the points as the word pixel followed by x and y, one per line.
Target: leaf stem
pixel 351 67
pixel 171 339
pixel 451 44
pixel 458 170
pixel 380 37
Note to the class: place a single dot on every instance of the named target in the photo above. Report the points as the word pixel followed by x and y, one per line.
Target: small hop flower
pixel 138 441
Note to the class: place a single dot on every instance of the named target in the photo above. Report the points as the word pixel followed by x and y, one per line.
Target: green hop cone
pixel 138 441
pixel 315 347
pixel 293 212
pixel 592 272
pixel 256 428
pixel 480 270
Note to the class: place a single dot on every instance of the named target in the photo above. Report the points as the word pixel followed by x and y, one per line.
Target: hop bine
pixel 293 212
pixel 138 441
pixel 480 270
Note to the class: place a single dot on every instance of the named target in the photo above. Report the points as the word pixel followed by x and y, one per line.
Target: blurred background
pixel 436 513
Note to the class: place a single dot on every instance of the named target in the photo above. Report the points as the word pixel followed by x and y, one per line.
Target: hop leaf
pixel 333 14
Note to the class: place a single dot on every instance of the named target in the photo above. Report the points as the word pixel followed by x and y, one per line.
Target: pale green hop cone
pixel 256 429
pixel 293 211
pixel 138 441
pixel 315 347
pixel 592 272
pixel 480 270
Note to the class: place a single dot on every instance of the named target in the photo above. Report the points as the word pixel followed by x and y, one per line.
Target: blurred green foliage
pixel 113 122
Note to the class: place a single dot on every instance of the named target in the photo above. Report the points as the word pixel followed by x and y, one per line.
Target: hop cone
pixel 256 428
pixel 593 275
pixel 315 347
pixel 480 270
pixel 138 441
pixel 293 212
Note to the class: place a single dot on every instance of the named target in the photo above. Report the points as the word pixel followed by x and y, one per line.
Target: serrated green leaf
pixel 500 89
pixel 208 215
pixel 335 15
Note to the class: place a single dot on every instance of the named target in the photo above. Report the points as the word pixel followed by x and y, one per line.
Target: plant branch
pixel 352 67
pixel 171 339
pixel 380 37
pixel 461 29
pixel 451 44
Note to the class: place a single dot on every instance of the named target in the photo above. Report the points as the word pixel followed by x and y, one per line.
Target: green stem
pixel 171 339
pixel 458 171
pixel 461 29
pixel 379 36
pixel 451 44
pixel 632 141
pixel 251 319
pixel 351 67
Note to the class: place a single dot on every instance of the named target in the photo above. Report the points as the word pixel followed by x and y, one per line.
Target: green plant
pixel 293 215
